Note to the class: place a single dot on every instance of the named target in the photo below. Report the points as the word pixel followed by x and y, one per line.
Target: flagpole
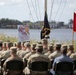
pixel 46 6
pixel 73 38
pixel 73 29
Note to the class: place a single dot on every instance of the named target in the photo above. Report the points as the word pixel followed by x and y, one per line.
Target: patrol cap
pixel 33 45
pixel 39 46
pixel 44 41
pixel 70 46
pixel 50 47
pixel 15 44
pixel 13 49
pixel 39 42
pixel 10 44
pixel 27 44
pixel 4 44
pixel 64 46
pixel 18 44
pixel 57 45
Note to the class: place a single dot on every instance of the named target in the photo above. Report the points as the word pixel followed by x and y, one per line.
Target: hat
pixel 39 42
pixel 10 44
pixel 4 44
pixel 27 44
pixel 70 46
pixel 39 46
pixel 64 46
pixel 44 41
pixel 50 46
pixel 13 49
pixel 33 45
pixel 57 45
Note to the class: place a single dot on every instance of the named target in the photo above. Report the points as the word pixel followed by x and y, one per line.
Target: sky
pixel 33 10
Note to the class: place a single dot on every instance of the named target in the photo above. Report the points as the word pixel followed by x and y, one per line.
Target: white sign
pixel 23 33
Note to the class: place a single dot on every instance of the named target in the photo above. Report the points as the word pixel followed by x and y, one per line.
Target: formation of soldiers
pixel 40 51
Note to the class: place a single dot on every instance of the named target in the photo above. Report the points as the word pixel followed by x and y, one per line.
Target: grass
pixel 5 38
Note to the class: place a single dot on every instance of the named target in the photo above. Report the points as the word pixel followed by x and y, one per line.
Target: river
pixel 56 34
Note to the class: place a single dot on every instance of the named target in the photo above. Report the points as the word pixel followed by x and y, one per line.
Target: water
pixel 56 34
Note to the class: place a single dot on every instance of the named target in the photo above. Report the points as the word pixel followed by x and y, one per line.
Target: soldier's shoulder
pixel 34 55
pixel 73 54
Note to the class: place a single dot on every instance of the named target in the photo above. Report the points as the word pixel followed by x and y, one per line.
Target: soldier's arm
pixel 49 64
pixel 29 62
pixel 4 65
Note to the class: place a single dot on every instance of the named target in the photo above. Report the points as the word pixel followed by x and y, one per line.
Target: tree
pixel 60 24
pixel 70 21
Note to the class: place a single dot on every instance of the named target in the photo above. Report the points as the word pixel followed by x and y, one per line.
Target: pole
pixel 73 32
pixel 46 6
pixel 73 38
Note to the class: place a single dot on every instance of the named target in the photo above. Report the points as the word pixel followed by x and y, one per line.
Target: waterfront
pixel 56 34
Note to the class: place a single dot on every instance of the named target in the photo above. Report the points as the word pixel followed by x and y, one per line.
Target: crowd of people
pixel 40 51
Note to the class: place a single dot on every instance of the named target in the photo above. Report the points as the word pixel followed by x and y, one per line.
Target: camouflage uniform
pixel 12 57
pixel 48 53
pixel 50 50
pixel 28 55
pixel 5 54
pixel 73 56
pixel 38 57
pixel 70 50
pixel 54 55
pixel 45 45
pixel 25 51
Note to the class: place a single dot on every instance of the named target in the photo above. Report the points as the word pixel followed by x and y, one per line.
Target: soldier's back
pixel 28 55
pixel 38 57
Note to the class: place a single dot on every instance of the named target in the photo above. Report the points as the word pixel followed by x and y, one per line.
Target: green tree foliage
pixel 6 21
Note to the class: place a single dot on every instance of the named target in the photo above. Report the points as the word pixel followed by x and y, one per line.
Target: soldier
pixel 50 50
pixel 64 46
pixel 70 50
pixel 18 45
pixel 45 45
pixel 1 48
pixel 6 54
pixel 57 52
pixel 38 57
pixel 13 51
pixel 27 49
pixel 63 58
pixel 19 48
pixel 4 46
pixel 33 51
